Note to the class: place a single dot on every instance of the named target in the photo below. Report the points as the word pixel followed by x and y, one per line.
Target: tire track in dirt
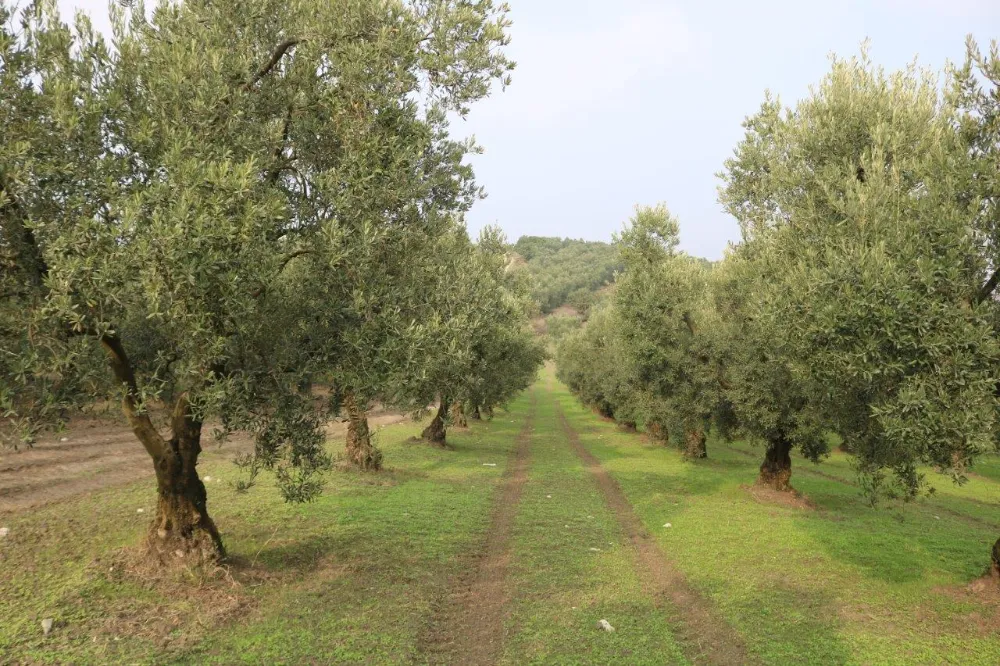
pixel 704 635
pixel 467 622
pixel 971 520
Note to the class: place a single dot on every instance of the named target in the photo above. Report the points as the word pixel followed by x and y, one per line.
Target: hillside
pixel 567 271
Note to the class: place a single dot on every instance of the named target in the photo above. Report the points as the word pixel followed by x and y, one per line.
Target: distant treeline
pixel 566 271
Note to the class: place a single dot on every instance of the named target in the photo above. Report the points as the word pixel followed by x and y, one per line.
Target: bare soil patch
pixel 95 453
pixel 764 495
pixel 467 623
pixel 704 634
pixel 983 592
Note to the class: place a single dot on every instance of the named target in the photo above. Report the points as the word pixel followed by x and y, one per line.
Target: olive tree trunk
pixel 182 530
pixel 437 432
pixel 475 413
pixel 776 470
pixel 695 444
pixel 658 432
pixel 995 560
pixel 361 453
pixel 458 415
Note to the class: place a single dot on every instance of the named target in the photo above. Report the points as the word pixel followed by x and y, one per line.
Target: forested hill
pixel 567 271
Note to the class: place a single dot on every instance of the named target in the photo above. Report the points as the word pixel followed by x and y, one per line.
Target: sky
pixel 626 102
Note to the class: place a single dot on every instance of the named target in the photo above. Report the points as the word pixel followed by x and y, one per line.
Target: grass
pixel 345 579
pixel 355 576
pixel 572 568
pixel 837 584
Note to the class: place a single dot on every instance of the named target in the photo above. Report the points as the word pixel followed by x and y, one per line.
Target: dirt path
pixel 97 453
pixel 467 624
pixel 703 633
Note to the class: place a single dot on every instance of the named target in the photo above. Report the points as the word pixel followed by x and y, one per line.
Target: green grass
pixel 345 579
pixel 354 576
pixel 562 586
pixel 838 584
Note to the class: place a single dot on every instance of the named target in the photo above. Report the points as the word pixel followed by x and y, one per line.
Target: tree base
pixel 780 480
pixel 658 433
pixel 193 546
pixel 776 470
pixel 694 448
pixel 366 458
pixel 435 434
pixel 458 416
pixel 361 453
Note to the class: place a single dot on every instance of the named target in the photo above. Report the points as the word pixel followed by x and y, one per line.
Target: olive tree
pixel 483 352
pixel 765 399
pixel 169 207
pixel 412 187
pixel 858 200
pixel 975 91
pixel 664 317
pixel 506 354
pixel 593 363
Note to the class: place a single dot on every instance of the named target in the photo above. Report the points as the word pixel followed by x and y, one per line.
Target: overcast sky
pixel 616 103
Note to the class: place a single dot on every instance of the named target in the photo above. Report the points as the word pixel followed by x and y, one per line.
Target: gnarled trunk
pixel 658 432
pixel 695 444
pixel 361 453
pixel 182 531
pixel 475 413
pixel 458 415
pixel 776 470
pixel 628 425
pixel 995 560
pixel 436 432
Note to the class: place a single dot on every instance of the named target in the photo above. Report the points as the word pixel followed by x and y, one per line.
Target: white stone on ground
pixel 604 625
pixel 47 625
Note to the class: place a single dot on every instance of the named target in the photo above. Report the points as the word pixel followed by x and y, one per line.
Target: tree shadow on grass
pixel 895 543
pixel 804 625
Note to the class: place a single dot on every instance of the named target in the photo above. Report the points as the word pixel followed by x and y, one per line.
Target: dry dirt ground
pixel 98 452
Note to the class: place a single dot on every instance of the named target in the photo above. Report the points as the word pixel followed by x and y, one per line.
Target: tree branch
pixel 139 420
pixel 690 323
pixel 987 289
pixel 281 49
pixel 279 53
pixel 284 263
pixel 272 178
